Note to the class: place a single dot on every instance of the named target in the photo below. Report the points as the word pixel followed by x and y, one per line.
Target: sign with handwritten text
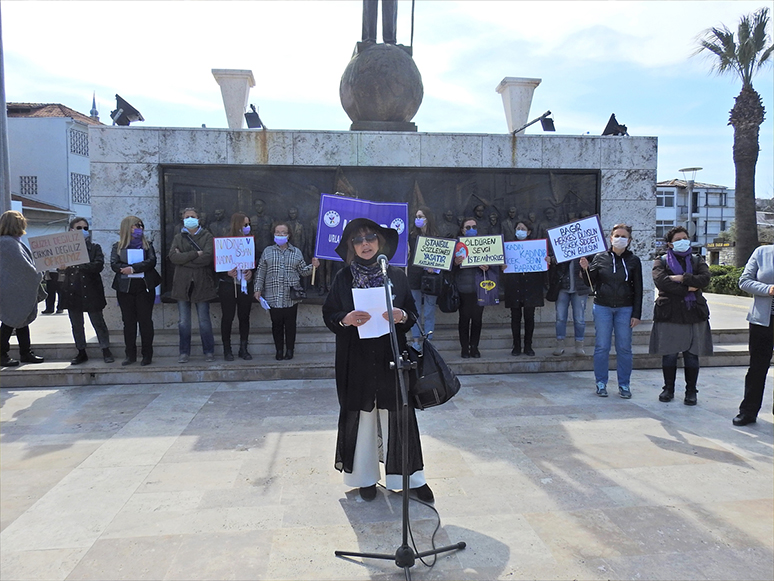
pixel 434 252
pixel 237 252
pixel 576 239
pixel 59 250
pixel 483 250
pixel 526 256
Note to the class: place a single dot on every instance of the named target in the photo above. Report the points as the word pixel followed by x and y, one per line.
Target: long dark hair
pixel 430 227
pixel 237 223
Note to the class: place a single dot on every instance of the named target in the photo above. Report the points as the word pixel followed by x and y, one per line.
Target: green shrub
pixel 725 280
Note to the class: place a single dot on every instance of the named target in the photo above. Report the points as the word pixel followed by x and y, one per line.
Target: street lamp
pixel 690 225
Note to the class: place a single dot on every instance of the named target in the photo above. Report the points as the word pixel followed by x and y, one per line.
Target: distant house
pixel 711 210
pixel 50 170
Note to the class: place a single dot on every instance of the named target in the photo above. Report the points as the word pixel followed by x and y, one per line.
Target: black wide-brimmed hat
pixel 391 237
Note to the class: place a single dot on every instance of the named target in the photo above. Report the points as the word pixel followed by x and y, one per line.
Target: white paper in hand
pixel 373 301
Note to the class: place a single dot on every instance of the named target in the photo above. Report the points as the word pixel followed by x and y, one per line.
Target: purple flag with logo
pixel 337 211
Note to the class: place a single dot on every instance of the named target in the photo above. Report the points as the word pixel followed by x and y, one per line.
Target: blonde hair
pixel 13 223
pixel 125 233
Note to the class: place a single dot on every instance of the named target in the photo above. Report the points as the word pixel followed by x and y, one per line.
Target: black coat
pixel 122 283
pixel 524 289
pixel 81 287
pixel 617 280
pixel 670 304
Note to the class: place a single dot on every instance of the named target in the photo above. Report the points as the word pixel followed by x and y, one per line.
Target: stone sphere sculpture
pixel 381 84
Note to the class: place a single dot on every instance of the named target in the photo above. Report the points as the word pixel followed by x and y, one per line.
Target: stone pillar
pixel 235 87
pixel 517 99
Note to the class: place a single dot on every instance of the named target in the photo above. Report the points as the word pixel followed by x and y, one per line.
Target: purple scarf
pixel 366 276
pixel 676 268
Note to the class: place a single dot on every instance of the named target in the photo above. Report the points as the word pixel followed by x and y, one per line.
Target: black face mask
pixel 365 262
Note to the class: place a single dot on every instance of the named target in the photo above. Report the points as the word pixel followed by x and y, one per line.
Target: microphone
pixel 382 260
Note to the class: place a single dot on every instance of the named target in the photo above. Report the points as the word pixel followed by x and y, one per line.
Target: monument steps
pixel 314 354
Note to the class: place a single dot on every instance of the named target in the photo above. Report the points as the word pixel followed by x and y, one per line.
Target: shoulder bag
pixel 432 383
pixel 449 298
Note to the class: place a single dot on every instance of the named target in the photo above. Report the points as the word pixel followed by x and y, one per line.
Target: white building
pixel 50 168
pixel 711 207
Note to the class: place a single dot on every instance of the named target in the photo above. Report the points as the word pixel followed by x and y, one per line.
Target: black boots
pixel 691 376
pixel 668 392
pixel 243 350
pixel 82 357
pixel 107 355
pixel 228 355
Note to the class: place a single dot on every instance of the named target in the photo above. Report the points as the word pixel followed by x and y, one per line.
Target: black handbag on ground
pixel 431 283
pixel 449 298
pixel 297 294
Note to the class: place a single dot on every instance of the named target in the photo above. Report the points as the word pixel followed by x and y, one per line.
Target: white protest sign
pixel 526 256
pixel 237 252
pixel 59 250
pixel 576 239
pixel 434 252
pixel 483 250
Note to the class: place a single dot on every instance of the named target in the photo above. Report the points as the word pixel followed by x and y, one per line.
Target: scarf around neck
pixel 674 265
pixel 366 275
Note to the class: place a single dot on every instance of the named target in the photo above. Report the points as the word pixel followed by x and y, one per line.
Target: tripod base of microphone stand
pixel 405 556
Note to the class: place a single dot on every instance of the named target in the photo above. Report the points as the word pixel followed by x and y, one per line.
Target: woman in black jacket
pixel 616 276
pixel 681 314
pixel 133 259
pixel 364 381
pixel 81 291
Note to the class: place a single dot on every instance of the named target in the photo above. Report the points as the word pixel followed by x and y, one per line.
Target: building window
pixel 722 225
pixel 79 142
pixel 79 187
pixel 665 199
pixel 662 227
pixel 29 185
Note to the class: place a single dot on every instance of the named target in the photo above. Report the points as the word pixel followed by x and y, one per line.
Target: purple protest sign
pixel 337 211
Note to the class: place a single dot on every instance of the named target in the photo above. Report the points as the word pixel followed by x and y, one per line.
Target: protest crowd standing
pixel 235 289
pixel 20 290
pixel 424 298
pixel 135 286
pixel 82 292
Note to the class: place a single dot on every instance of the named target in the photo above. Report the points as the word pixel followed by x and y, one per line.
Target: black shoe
pixel 129 361
pixel 146 361
pixel 8 362
pixel 59 311
pixel 529 351
pixel 47 312
pixel 666 394
pixel 424 493
pixel 82 357
pixel 474 352
pixel 743 420
pixel 465 353
pixel 516 351
pixel 30 358
pixel 289 354
pixel 690 398
pixel 228 355
pixel 243 351
pixel 107 356
pixel 368 493
pixel 279 356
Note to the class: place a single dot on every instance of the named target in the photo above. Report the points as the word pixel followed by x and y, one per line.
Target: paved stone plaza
pixel 541 479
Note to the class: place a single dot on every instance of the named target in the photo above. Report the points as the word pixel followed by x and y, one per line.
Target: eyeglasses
pixel 466 228
pixel 358 240
pixel 140 225
pixel 81 228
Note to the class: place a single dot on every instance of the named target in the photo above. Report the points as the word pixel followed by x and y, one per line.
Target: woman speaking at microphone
pixel 365 383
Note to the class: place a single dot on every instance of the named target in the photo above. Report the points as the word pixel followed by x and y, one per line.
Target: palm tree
pixel 743 56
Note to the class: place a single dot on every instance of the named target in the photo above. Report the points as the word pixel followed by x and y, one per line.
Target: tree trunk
pixel 746 118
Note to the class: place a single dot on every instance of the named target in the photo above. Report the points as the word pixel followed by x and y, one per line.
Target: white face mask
pixel 620 243
pixel 521 234
pixel 681 245
pixel 191 222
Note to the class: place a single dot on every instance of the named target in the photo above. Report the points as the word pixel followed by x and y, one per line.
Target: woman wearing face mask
pixel 236 295
pixel 81 291
pixel 523 293
pixel 369 411
pixel 424 225
pixel 470 313
pixel 681 314
pixel 192 254
pixel 281 267
pixel 133 259
pixel 616 276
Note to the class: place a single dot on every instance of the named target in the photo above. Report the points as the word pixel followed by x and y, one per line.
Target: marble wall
pixel 126 162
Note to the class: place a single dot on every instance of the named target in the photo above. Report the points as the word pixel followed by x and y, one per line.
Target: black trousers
pixel 529 325
pixel 137 311
pixel 283 327
pixel 22 335
pixel 469 326
pixel 231 304
pixel 761 348
pixel 52 288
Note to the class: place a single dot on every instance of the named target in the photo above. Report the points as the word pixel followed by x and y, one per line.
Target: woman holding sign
pixel 421 279
pixel 279 270
pixel 19 289
pixel 471 313
pixel 133 259
pixel 364 380
pixel 235 289
pixel 616 276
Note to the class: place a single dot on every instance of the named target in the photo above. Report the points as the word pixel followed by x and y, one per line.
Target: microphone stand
pixel 404 556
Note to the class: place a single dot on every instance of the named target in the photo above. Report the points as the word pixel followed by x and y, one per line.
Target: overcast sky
pixel 594 58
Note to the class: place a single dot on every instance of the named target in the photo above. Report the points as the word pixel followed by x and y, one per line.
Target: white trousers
pixel 370 449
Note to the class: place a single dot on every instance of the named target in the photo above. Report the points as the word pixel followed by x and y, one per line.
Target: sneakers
pixel 183 358
pixel 559 349
pixel 624 392
pixel 579 351
pixel 209 357
pixel 601 389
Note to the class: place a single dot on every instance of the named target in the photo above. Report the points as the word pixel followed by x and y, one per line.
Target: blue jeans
pixel 608 320
pixel 205 326
pixel 426 309
pixel 578 314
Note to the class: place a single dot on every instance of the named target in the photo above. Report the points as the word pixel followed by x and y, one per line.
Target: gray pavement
pixel 235 480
